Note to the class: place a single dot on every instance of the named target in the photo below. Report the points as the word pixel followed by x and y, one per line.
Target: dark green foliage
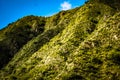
pixel 73 76
pixel 96 61
pixel 112 3
pixel 115 57
pixel 77 44
pixel 18 34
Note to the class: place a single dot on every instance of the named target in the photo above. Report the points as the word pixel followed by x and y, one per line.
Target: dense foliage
pixel 78 44
pixel 17 34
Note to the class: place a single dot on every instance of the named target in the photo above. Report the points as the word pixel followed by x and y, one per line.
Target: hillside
pixel 77 44
pixel 17 34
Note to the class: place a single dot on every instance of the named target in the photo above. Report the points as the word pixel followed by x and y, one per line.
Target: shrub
pixel 115 57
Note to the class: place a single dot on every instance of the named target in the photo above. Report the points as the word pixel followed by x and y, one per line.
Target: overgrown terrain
pixel 78 44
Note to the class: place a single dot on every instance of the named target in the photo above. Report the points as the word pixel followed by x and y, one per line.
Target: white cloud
pixel 65 5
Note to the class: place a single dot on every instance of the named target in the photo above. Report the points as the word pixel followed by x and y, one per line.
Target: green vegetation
pixel 78 44
pixel 17 34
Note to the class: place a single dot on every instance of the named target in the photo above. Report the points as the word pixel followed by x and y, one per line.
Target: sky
pixel 12 10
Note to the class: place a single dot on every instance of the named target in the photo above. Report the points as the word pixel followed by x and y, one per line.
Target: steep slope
pixel 83 43
pixel 17 34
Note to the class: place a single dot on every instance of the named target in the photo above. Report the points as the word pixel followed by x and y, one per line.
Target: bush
pixel 73 76
pixel 115 57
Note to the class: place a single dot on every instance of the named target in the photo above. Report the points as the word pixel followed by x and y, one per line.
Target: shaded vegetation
pixel 78 44
pixel 17 34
